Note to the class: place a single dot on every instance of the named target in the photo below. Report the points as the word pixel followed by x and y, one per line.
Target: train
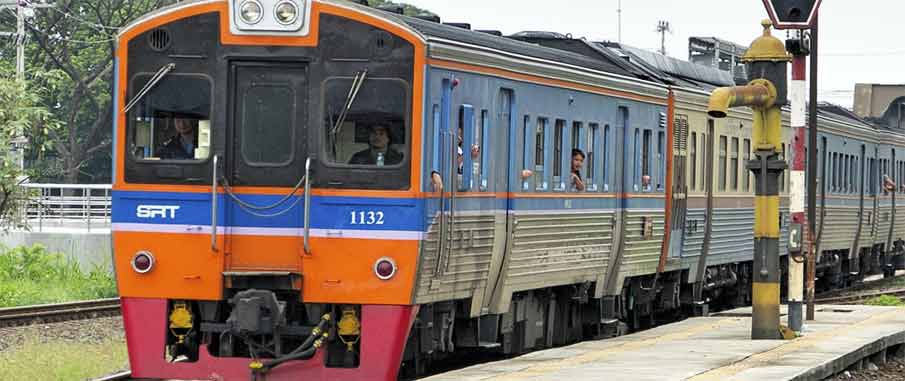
pixel 318 189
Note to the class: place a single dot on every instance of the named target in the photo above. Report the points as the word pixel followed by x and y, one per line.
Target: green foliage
pixel 886 300
pixel 410 10
pixel 32 275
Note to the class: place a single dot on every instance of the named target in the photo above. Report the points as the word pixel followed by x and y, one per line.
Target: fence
pixel 72 206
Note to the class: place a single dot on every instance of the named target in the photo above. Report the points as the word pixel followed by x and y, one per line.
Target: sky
pixel 859 43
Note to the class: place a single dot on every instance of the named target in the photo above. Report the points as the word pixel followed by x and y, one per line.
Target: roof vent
pixel 492 32
pixel 392 8
pixel 459 25
pixel 428 17
pixel 541 35
pixel 159 39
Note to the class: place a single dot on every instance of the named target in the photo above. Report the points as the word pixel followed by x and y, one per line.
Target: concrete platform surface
pixel 716 348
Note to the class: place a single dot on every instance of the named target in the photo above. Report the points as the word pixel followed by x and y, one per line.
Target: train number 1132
pixel 366 218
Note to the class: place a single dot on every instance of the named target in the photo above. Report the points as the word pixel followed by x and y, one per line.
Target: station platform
pixel 715 348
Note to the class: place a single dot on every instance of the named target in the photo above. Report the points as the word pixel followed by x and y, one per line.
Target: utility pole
pixel 812 169
pixel 619 15
pixel 662 28
pixel 798 46
pixel 20 40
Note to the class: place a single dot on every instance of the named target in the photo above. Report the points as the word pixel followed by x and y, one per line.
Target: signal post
pixel 766 93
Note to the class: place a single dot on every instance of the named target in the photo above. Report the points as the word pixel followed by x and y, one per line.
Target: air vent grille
pixel 159 39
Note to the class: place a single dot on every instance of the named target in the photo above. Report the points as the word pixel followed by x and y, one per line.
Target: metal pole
pixel 20 41
pixel 797 195
pixel 619 13
pixel 812 169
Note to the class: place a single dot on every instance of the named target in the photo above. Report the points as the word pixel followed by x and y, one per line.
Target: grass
pixel 886 300
pixel 67 361
pixel 32 275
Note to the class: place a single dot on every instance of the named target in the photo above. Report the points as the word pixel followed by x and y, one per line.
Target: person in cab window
pixel 182 145
pixel 379 151
pixel 577 162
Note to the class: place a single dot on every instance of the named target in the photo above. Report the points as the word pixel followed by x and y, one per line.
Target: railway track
pixel 49 313
pixel 900 292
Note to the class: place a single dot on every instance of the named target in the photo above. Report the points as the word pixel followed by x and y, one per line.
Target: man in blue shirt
pixel 182 145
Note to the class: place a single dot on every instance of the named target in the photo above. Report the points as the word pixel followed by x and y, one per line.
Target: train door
pixel 504 131
pixel 624 183
pixel 268 150
pixel 679 186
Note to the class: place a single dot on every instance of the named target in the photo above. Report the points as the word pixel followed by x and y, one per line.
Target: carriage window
pixel 721 182
pixel 266 107
pixel 484 148
pixel 661 167
pixel 645 162
pixel 605 161
pixel 540 139
pixel 693 166
pixel 591 164
pixel 747 153
pixel 172 121
pixel 367 127
pixel 557 150
pixel 733 165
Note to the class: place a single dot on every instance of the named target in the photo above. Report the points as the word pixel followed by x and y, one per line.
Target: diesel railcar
pixel 316 189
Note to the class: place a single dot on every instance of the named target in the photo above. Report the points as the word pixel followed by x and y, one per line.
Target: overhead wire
pixel 83 21
pixel 36 28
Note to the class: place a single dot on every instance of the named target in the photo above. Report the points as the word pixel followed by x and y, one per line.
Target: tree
pixel 72 58
pixel 20 113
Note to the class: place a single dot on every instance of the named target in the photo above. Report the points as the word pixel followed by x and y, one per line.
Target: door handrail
pixel 307 211
pixel 214 206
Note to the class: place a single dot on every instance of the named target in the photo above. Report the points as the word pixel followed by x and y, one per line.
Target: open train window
pixel 365 122
pixel 171 120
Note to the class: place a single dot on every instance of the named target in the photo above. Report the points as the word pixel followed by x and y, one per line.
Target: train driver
pixel 181 146
pixel 379 150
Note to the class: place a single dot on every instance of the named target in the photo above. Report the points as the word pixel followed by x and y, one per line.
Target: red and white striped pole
pixel 797 191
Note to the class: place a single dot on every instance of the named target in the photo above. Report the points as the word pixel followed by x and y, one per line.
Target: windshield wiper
pixel 166 69
pixel 350 99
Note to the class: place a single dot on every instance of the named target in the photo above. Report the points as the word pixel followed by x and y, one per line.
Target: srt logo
pixel 156 211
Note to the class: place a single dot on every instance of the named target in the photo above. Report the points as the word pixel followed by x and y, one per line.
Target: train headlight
pixel 286 12
pixel 142 262
pixel 251 11
pixel 385 268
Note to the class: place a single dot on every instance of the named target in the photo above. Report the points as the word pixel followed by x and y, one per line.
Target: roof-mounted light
pixel 286 12
pixel 251 11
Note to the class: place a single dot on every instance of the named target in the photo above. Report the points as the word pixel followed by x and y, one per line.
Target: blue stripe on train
pixel 329 212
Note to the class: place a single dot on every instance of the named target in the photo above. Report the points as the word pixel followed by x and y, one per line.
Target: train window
pixel 693 167
pixel 604 154
pixel 540 156
pixel 468 149
pixel 576 136
pixel 747 157
pixel 368 127
pixel 266 106
pixel 558 131
pixel 645 162
pixel 636 165
pixel 733 165
pixel 172 121
pixel 591 164
pixel 527 151
pixel 484 160
pixel 721 180
pixel 661 168
pixel 705 172
pixel 833 173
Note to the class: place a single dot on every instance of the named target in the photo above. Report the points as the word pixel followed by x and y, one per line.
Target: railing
pixel 69 206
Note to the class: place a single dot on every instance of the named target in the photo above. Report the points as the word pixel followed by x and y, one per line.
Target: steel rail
pixel 861 296
pixel 28 315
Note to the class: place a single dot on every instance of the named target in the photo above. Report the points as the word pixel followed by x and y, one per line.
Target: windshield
pixel 171 122
pixel 374 132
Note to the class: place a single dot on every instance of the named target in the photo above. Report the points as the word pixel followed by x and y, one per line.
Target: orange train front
pixel 233 119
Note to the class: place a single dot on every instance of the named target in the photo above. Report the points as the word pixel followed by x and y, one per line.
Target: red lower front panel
pixel 384 330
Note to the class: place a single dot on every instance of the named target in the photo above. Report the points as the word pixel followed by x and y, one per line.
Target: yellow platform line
pixel 598 355
pixel 727 373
